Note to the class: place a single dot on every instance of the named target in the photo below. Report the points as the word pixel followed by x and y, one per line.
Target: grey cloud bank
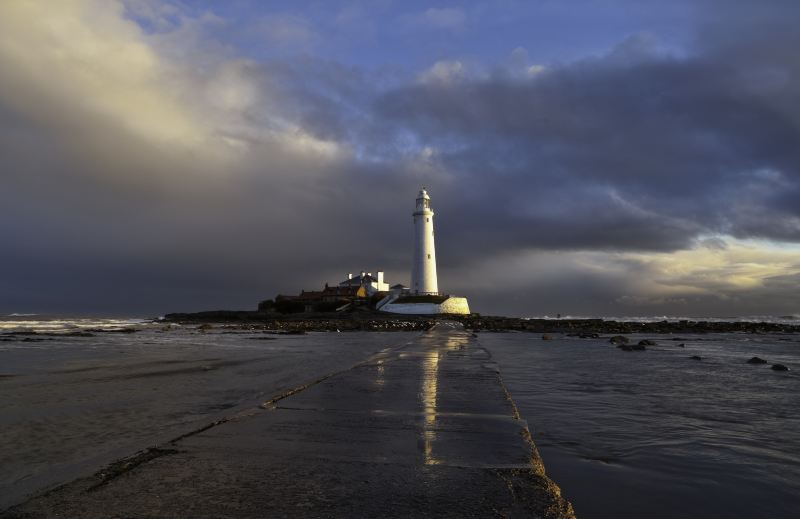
pixel 167 172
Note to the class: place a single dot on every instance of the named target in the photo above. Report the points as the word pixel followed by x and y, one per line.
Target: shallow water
pixel 72 404
pixel 656 434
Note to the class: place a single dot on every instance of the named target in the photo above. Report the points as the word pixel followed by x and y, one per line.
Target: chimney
pixel 380 277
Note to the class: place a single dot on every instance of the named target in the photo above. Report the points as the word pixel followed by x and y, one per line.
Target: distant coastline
pixel 366 321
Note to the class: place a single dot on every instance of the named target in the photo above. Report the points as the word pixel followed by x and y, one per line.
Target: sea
pixel 659 433
pixel 656 434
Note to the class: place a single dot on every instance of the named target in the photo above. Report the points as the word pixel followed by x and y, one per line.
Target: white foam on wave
pixel 19 323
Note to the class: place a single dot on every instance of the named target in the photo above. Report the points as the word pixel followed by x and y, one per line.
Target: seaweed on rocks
pixel 303 323
pixel 381 321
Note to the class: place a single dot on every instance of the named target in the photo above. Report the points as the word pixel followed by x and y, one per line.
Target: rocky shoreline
pixel 592 327
pixel 294 323
pixel 378 321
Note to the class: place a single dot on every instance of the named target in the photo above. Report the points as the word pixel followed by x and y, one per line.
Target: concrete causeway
pixel 425 430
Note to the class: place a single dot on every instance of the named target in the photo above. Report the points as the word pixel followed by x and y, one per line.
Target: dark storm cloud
pixel 280 175
pixel 641 153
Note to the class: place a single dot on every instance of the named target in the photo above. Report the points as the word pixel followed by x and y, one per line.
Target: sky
pixel 589 157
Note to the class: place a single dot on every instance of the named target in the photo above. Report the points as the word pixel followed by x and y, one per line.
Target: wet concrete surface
pixel 424 430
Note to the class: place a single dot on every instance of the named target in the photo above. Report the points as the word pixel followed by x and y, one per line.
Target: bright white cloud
pixel 85 56
pixel 740 265
pixel 719 268
pixel 86 65
pixel 518 64
pixel 534 70
pixel 443 72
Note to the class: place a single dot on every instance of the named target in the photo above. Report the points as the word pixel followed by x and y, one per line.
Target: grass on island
pixel 437 300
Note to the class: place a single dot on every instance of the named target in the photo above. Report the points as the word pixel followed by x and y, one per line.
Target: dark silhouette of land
pixel 368 320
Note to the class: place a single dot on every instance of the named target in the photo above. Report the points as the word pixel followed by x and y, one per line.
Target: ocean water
pixel 72 402
pixel 657 434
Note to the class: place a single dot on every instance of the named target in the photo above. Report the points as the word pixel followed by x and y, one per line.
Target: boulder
pixel 756 360
pixel 696 357
pixel 647 342
pixel 624 347
pixel 638 347
pixel 779 367
pixel 619 339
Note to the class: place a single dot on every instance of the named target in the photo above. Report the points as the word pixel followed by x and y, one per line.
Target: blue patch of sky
pixel 412 35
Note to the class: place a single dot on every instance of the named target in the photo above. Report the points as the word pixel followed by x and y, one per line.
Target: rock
pixel 681 345
pixel 619 339
pixel 756 360
pixel 647 342
pixel 624 347
pixel 696 357
pixel 547 337
pixel 779 367
pixel 638 347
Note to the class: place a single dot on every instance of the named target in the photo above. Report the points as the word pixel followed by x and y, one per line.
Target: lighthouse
pixel 423 272
pixel 402 300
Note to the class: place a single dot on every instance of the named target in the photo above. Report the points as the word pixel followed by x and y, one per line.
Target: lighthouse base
pixel 451 305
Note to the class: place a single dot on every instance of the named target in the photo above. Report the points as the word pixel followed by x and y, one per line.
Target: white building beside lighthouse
pixel 423 271
pixel 423 297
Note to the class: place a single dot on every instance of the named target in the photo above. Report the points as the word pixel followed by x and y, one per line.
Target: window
pixel 429 256
pixel 427 219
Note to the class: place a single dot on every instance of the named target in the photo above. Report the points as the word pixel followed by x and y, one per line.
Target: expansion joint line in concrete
pixel 122 466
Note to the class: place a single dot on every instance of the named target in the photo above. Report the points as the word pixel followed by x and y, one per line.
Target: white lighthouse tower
pixel 423 273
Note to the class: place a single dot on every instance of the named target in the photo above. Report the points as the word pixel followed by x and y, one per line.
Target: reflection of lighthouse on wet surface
pixel 423 274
